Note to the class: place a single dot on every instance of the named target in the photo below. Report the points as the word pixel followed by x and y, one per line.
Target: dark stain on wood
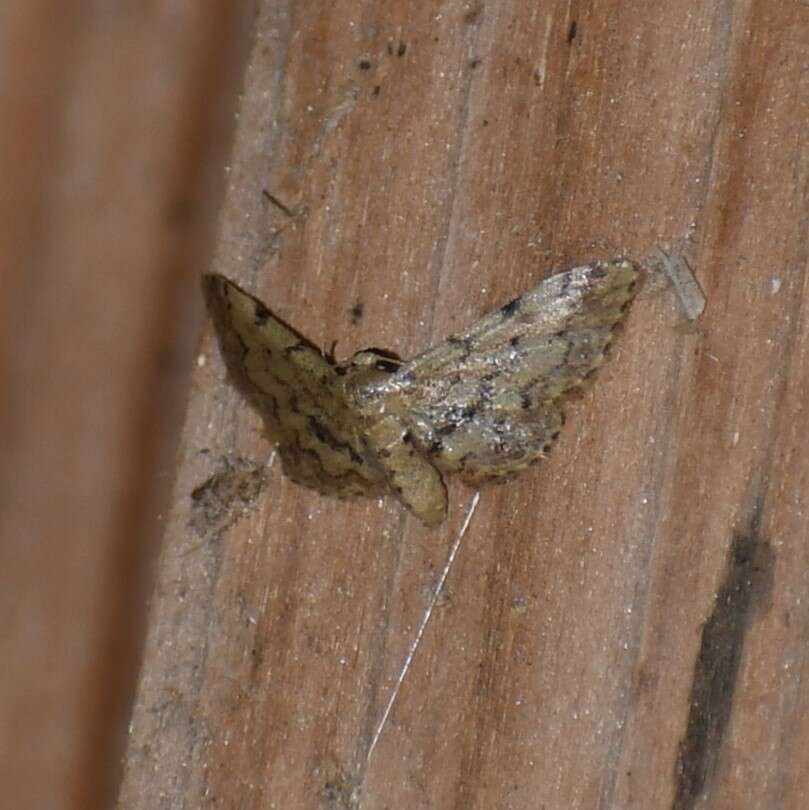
pixel 747 583
pixel 357 312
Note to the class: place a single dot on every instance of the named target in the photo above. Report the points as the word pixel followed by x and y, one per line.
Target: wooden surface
pixel 625 625
pixel 116 126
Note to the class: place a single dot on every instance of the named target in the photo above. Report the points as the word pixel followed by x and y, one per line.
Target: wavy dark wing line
pixel 295 389
pixel 490 401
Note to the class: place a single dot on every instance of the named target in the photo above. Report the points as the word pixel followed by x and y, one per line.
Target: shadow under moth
pixel 482 405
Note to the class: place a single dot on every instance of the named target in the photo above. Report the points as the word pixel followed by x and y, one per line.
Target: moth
pixel 483 405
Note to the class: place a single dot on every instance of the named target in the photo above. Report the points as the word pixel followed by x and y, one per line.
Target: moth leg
pixel 416 482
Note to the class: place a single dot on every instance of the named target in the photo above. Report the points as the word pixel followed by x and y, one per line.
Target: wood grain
pixel 116 118
pixel 624 626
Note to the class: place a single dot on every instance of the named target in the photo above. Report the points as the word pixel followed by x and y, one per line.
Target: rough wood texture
pixel 116 119
pixel 625 625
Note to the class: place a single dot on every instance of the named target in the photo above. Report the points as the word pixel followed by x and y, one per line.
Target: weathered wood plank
pixel 439 160
pixel 116 118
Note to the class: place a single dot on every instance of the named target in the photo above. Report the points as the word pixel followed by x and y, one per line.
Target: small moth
pixel 483 405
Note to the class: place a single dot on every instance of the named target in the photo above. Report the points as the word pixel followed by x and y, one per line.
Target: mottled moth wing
pixel 484 404
pixel 489 402
pixel 297 390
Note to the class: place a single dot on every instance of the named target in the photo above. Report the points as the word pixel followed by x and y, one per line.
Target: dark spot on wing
pixel 511 308
pixel 571 32
pixel 463 342
pixel 261 314
pixel 401 50
pixel 515 341
pixel 241 349
pixel 296 347
pixel 364 64
pixel 271 402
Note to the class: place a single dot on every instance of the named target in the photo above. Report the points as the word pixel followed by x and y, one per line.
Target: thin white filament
pixel 453 553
